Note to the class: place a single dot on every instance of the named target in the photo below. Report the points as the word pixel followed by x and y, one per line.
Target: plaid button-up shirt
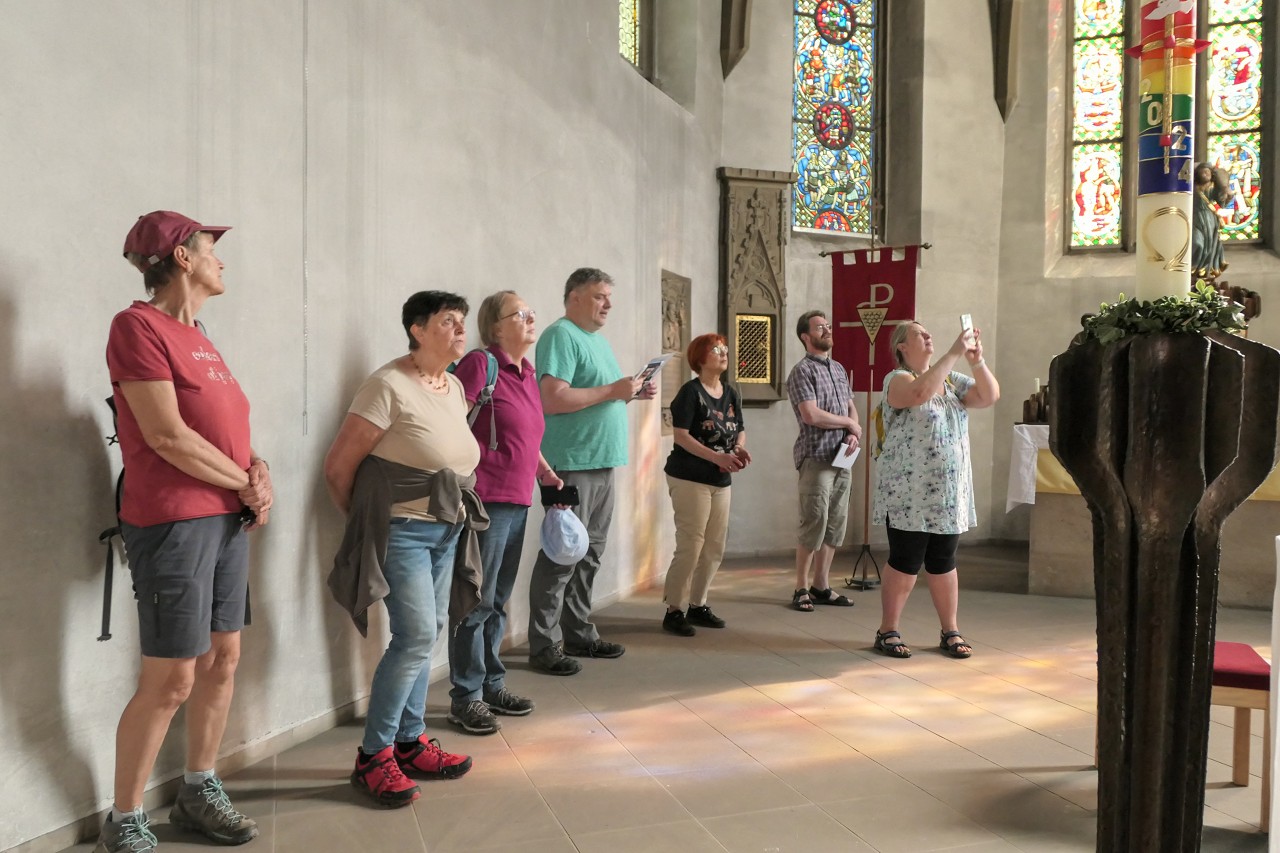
pixel 824 381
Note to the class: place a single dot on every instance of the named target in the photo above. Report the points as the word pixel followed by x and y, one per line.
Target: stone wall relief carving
pixel 753 278
pixel 676 309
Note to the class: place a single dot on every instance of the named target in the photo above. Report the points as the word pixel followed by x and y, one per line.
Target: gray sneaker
pixel 503 701
pixel 207 810
pixel 474 717
pixel 131 835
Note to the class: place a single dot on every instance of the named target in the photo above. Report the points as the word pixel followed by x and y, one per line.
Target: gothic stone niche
pixel 675 338
pixel 753 292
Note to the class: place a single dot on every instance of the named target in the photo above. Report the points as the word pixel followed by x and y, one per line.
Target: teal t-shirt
pixel 595 437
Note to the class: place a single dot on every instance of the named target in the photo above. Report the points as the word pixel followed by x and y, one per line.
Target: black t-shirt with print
pixel 713 423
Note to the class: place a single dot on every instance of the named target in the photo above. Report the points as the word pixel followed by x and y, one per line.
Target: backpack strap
pixel 107 535
pixel 485 397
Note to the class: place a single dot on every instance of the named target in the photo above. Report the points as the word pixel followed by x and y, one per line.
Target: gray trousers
pixel 560 596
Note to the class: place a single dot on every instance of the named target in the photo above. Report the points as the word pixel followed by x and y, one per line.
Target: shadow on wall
pixel 351 658
pixel 54 463
pixel 251 709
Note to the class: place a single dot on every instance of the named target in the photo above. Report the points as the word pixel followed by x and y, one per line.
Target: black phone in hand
pixel 551 496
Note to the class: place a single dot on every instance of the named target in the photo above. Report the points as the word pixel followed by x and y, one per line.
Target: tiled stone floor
pixel 782 732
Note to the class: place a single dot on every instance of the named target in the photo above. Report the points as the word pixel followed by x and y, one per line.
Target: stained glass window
pixel 1234 120
pixel 1228 113
pixel 1097 172
pixel 834 114
pixel 629 30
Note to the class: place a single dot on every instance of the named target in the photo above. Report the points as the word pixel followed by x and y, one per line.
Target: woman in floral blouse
pixel 924 479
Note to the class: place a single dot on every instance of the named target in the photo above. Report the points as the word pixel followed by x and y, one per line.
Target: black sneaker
pixel 596 649
pixel 474 717
pixel 702 616
pixel 503 701
pixel 551 661
pixel 675 622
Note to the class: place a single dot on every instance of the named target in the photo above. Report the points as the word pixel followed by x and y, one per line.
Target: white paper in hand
pixel 846 456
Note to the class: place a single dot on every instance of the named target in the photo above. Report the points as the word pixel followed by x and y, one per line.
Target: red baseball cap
pixel 157 234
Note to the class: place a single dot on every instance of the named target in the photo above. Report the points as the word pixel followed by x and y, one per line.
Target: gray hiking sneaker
pixel 474 717
pixel 503 701
pixel 207 810
pixel 128 836
pixel 552 661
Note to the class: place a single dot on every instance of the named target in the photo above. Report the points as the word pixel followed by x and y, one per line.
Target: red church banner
pixel 872 291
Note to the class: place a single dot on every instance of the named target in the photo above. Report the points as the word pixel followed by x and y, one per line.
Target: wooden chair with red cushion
pixel 1242 680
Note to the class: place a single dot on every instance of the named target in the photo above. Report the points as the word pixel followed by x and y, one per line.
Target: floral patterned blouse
pixel 924 478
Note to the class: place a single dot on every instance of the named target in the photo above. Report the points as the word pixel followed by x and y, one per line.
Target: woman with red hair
pixel 710 444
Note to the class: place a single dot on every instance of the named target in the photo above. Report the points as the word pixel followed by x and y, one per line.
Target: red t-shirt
pixel 147 345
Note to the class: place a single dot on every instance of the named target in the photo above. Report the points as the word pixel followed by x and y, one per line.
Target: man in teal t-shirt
pixel 584 398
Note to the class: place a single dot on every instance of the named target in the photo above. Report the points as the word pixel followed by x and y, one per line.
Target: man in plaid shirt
pixel 819 390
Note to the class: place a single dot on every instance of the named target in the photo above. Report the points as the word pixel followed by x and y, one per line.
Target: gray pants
pixel 560 596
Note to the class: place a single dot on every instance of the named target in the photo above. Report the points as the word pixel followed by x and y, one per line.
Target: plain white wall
pixel 362 151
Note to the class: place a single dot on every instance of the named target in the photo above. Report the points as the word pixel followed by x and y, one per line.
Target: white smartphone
pixel 966 326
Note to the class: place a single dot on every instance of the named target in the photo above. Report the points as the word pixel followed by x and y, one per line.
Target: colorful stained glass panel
pixel 1239 154
pixel 1099 88
pixel 1099 18
pixel 827 72
pixel 1096 179
pixel 1235 77
pixel 1227 11
pixel 834 188
pixel 834 113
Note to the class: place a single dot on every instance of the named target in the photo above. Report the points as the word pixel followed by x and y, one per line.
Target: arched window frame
pixel 1128 142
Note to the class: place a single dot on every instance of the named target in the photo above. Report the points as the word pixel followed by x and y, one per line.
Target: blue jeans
pixel 419 573
pixel 474 665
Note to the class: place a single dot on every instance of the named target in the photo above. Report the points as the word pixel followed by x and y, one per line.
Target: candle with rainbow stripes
pixel 1166 113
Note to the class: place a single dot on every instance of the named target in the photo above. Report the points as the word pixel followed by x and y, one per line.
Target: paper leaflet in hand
pixel 846 456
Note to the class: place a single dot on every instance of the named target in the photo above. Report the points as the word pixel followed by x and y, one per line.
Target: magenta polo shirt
pixel 505 475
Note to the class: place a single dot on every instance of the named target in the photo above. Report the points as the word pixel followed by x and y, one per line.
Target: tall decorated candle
pixel 1165 124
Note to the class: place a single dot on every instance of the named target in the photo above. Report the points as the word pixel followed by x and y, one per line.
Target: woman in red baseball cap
pixel 193 487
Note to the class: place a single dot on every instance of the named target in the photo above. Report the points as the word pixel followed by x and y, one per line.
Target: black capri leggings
pixel 911 549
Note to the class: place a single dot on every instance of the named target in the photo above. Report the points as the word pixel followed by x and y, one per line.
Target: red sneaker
pixel 425 758
pixel 379 777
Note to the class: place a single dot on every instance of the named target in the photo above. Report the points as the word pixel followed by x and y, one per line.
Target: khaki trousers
pixel 702 523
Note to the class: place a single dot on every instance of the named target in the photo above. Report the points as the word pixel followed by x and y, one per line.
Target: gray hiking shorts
pixel 190 578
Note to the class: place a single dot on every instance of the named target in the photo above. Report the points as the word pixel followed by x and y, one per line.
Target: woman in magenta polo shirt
pixel 509 434
pixel 190 472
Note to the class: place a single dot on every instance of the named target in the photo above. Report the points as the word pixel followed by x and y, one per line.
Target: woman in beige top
pixel 411 411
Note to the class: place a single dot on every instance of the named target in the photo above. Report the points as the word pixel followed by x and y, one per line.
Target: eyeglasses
pixel 720 350
pixel 822 327
pixel 528 315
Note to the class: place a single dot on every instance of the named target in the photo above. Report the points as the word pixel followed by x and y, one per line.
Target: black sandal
pixel 800 601
pixel 893 650
pixel 953 649
pixel 829 596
